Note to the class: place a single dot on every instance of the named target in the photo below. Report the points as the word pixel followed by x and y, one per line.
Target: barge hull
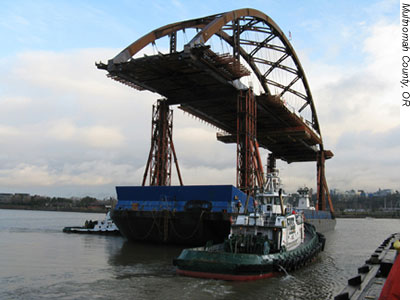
pixel 165 227
pixel 185 215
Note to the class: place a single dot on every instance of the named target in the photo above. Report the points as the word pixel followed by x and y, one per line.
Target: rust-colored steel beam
pixel 320 203
pixel 322 189
pixel 161 165
pixel 257 164
pixel 147 167
pixel 260 165
pixel 249 170
pixel 329 200
pixel 162 147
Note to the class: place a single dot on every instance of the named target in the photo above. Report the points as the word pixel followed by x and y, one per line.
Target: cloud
pixel 95 136
pixel 202 175
pixel 23 174
pixel 7 131
pixel 359 113
pixel 87 173
pixel 10 104
pixel 197 147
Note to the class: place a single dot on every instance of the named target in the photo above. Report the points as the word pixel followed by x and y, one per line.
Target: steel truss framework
pixel 162 149
pixel 322 188
pixel 249 170
pixel 233 28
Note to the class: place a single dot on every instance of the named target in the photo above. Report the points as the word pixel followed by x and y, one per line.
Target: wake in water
pixel 283 269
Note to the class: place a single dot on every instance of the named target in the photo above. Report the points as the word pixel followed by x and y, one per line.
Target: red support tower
pixel 322 189
pixel 249 168
pixel 162 149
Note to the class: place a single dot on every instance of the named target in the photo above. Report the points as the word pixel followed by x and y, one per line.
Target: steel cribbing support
pixel 176 161
pixel 249 169
pixel 259 164
pixel 162 147
pixel 147 167
pixel 320 204
pixel 322 188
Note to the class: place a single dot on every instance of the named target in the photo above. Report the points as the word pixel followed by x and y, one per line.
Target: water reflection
pixel 134 260
pixel 131 253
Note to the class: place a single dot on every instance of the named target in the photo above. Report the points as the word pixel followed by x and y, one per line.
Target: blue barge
pixel 187 215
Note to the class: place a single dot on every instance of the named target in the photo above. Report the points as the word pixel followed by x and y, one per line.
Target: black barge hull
pixel 167 227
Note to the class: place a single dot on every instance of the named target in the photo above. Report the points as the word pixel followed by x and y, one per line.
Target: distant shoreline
pixel 375 215
pixel 64 209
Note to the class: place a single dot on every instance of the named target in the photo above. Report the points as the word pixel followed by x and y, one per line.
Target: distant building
pixel 383 193
pixel 352 193
pixel 335 192
pixel 5 197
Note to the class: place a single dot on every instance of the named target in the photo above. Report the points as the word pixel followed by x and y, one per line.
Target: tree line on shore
pixel 27 201
pixel 361 205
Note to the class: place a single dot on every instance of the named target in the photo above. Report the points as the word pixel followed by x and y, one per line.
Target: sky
pixel 67 130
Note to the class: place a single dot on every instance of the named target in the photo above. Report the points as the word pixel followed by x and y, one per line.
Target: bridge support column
pixel 249 169
pixel 322 189
pixel 162 149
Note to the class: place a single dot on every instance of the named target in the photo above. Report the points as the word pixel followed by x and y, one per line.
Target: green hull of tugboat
pixel 216 263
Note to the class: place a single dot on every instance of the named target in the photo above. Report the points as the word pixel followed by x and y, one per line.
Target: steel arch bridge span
pixel 232 28
pixel 205 80
pixel 209 83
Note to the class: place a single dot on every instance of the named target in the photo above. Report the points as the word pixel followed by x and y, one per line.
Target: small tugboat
pixel 262 243
pixel 323 220
pixel 105 226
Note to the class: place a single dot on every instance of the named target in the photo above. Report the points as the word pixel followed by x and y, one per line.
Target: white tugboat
pixel 304 200
pixel 105 226
pixel 272 218
pixel 323 221
pixel 262 243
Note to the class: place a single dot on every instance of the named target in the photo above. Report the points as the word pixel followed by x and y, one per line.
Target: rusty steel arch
pixel 238 22
pixel 207 85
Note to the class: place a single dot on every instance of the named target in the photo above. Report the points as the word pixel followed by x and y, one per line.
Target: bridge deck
pixel 201 82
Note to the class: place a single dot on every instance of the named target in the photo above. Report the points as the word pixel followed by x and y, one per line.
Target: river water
pixel 39 261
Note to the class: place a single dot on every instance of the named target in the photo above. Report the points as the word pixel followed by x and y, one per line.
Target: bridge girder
pixel 247 20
